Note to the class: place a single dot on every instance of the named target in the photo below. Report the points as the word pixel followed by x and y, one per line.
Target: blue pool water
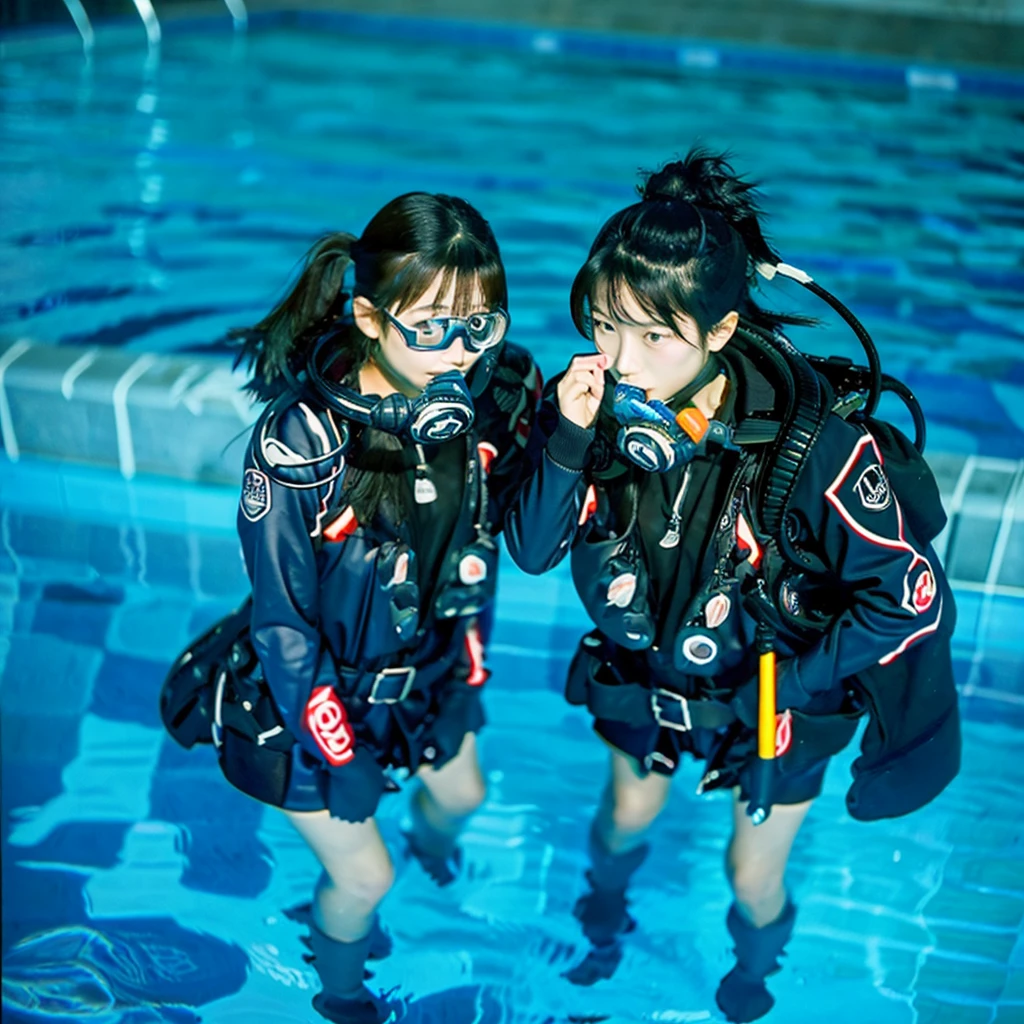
pixel 154 206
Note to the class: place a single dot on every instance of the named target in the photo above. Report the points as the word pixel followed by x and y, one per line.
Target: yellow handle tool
pixel 763 768
pixel 766 707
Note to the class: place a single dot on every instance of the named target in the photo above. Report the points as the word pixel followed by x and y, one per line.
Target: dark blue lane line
pixel 76 296
pixel 689 55
pixel 57 237
pixel 139 326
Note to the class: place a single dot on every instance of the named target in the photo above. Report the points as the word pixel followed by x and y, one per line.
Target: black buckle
pixel 681 706
pixel 392 685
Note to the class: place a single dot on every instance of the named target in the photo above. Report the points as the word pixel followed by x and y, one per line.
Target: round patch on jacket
pixel 700 649
pixel 255 503
pixel 472 570
pixel 924 591
pixel 329 726
pixel 872 488
pixel 783 732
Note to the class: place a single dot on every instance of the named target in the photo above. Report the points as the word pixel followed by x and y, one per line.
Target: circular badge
pixel 621 590
pixel 790 598
pixel 924 591
pixel 472 570
pixel 700 649
pixel 783 732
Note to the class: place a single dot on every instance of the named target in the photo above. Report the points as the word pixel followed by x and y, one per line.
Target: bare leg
pixel 357 875
pixel 441 807
pixel 630 802
pixel 761 919
pixel 756 859
pixel 357 872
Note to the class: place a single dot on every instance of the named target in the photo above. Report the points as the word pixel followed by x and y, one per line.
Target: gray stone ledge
pixel 185 417
pixel 174 415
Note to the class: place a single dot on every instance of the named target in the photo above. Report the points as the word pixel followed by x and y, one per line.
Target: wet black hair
pixel 688 247
pixel 405 246
pixel 407 243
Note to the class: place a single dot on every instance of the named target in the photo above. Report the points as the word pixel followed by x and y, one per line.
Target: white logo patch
pixel 872 488
pixel 255 502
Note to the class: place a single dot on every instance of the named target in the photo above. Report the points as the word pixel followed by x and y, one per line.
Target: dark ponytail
pixel 408 243
pixel 689 247
pixel 277 347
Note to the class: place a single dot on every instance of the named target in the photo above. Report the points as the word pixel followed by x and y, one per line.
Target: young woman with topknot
pixel 652 461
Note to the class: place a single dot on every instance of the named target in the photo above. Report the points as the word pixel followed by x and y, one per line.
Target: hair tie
pixel 703 229
pixel 348 291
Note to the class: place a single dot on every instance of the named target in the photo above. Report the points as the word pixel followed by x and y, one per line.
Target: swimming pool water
pixel 155 207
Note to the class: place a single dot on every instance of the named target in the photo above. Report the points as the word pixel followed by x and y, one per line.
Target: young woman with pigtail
pixel 754 582
pixel 375 482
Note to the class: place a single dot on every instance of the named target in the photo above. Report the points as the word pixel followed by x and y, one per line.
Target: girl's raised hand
pixel 581 389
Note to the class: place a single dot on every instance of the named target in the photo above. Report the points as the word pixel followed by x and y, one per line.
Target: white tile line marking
pixel 149 20
pixel 125 449
pixel 18 349
pixel 183 381
pixel 238 12
pixel 1013 500
pixel 997 590
pixel 82 23
pixel 992 463
pixel 990 694
pixel 75 370
pixel 994 566
pixel 955 504
pixel 966 472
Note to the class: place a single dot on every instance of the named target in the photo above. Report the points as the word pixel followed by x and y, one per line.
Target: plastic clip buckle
pixel 384 677
pixel 684 705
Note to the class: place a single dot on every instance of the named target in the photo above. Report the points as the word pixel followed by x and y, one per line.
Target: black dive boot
pixel 381 942
pixel 438 852
pixel 345 999
pixel 602 911
pixel 742 995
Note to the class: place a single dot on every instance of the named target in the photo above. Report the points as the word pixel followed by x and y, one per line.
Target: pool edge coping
pixel 697 55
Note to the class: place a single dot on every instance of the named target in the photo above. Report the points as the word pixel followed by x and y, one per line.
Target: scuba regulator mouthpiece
pixel 442 411
pixel 657 439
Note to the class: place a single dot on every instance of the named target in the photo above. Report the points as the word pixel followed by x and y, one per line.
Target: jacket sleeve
pixel 276 525
pixel 891 594
pixel 515 391
pixel 543 516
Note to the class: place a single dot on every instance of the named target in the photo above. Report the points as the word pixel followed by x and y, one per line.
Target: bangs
pixel 674 259
pixel 477 273
pixel 665 293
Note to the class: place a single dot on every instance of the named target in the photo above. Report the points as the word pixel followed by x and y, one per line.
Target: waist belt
pixel 637 705
pixel 394 685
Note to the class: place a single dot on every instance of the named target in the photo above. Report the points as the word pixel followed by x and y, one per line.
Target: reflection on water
pixel 139 885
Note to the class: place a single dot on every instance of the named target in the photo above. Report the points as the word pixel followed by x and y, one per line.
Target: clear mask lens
pixel 479 332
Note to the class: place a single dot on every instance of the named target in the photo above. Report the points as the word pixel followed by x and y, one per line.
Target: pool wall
pixel 981 32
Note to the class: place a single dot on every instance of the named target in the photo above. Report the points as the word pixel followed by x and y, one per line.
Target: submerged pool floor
pixel 139 886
